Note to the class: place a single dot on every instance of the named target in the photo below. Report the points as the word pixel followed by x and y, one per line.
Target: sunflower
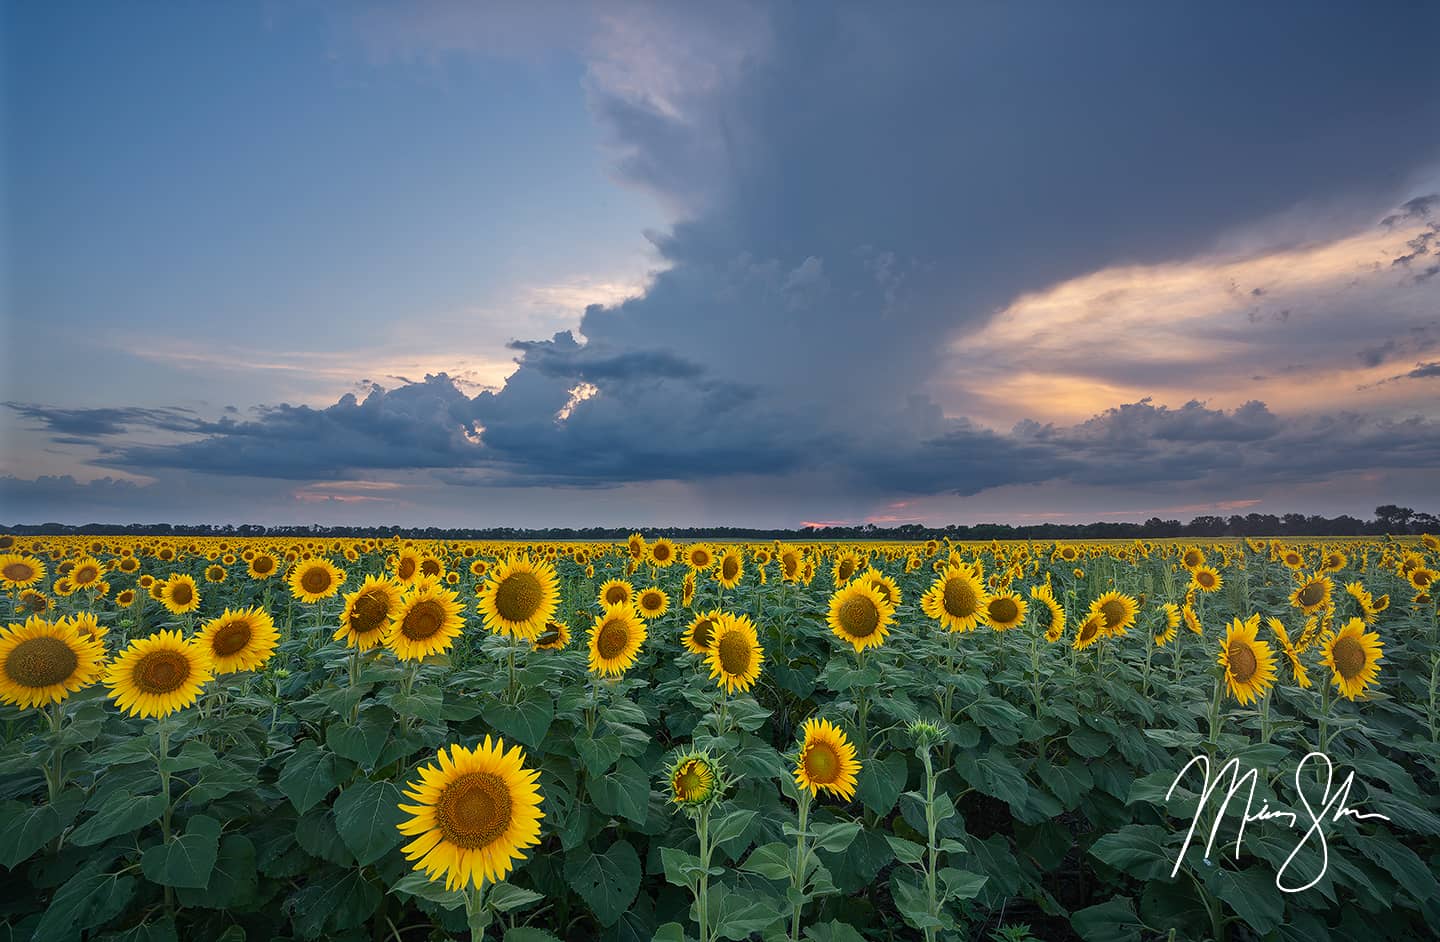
pixel 367 612
pixel 735 656
pixel 1334 561
pixel 957 599
pixel 1090 631
pixel 826 761
pixel 20 572
pixel 315 579
pixel 407 565
pixel 36 603
pixel 215 573
pixel 1249 664
pixel 262 566
pixel 240 640
pixel 1055 620
pixel 700 633
pixel 652 603
pixel 88 625
pixel 1206 578
pixel 789 565
pixel 687 589
pixel 1172 623
pixel 555 637
pixel 180 594
pixel 1118 612
pixel 1353 656
pixel 698 556
pixel 519 597
pixel 846 566
pixel 1421 579
pixel 1292 559
pixel 615 640
pixel 730 569
pixel 1005 611
pixel 86 573
pixel 692 778
pixel 1302 676
pixel 44 662
pixel 427 621
pixel 886 586
pixel 662 552
pixel 616 592
pixel 860 615
pixel 1312 594
pixel 473 814
pixel 158 675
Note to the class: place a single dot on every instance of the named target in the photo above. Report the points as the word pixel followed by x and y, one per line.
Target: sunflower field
pixel 383 739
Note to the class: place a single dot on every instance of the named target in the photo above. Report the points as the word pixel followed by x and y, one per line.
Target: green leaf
pixel 771 861
pixel 1068 782
pixel 187 860
pixel 961 884
pixel 316 833
pixel 1253 896
pixel 158 929
pixel 880 782
pixel 608 881
pixel 1402 863
pixel 1111 921
pixel 528 721
pixel 731 826
pixel 1136 849
pixel 681 868
pixel 1089 743
pixel 121 813
pixel 670 932
pixel 366 815
pixel 738 915
pixel 423 703
pixel 624 792
pixel 362 742
pixel 598 754
pixel 833 931
pixel 528 934
pixel 25 828
pixel 333 903
pixel 308 776
pixel 907 852
pixel 912 901
pixel 835 837
pixel 416 883
pixel 508 896
pixel 86 900
pixel 233 881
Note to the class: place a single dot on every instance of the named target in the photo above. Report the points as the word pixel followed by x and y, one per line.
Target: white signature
pixel 1332 809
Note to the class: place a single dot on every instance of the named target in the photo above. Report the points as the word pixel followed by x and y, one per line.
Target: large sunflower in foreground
pixel 180 594
pixel 1249 663
pixel 43 662
pixel 472 814
pixel 1354 656
pixel 315 579
pixel 860 615
pixel 158 675
pixel 1005 611
pixel 957 599
pixel 240 640
pixel 700 633
pixel 19 572
pixel 367 612
pixel 735 656
pixel 615 640
pixel 1312 594
pixel 427 622
pixel 1118 611
pixel 520 597
pixel 827 760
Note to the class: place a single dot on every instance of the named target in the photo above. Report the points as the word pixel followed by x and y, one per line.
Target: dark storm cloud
pixel 85 425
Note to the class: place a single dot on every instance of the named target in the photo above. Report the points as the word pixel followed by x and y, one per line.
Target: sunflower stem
pixel 797 876
pixel 162 729
pixel 702 890
pixel 930 823
pixel 477 912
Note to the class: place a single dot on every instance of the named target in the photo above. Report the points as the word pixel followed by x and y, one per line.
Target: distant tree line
pixel 1389 519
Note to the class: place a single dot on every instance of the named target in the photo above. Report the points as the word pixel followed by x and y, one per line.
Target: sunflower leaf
pixel 366 815
pixel 607 882
pixel 188 860
pixel 121 813
pixel 308 776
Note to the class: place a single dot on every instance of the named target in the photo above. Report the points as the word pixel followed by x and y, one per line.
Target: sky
pixel 627 264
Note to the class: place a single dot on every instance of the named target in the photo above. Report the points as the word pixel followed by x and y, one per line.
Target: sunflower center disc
pixel 1003 610
pixel 407 568
pixel 1349 657
pixel 702 632
pixel 960 599
pixel 615 595
pixel 161 672
pixel 822 764
pixel 847 569
pixel 1312 594
pixel 474 810
pixel 315 581
pixel 19 572
pixel 86 575
pixel 518 596
pixel 264 564
pixel 40 662
pixel 1114 613
pixel 650 601
pixel 369 613
pixel 612 638
pixel 422 621
pixel 860 617
pixel 231 638
pixel 181 594
pixel 1242 661
pixel 688 784
pixel 730 568
pixel 734 653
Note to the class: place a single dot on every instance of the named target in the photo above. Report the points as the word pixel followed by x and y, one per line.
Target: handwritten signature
pixel 1332 809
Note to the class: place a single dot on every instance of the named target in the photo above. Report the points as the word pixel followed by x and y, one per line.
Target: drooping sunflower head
pixel 180 594
pixel 735 656
pixel 1004 611
pixel 860 616
pixel 789 565
pixel 956 599
pixel 20 572
pixel 555 637
pixel 616 592
pixel 367 612
pixel 1206 578
pixel 315 579
pixel 827 760
pixel 88 625
pixel 1091 630
pixel 1248 662
pixel 1169 624
pixel 730 568
pixel 38 603
pixel 1353 656
pixel 473 814
pixel 1312 594
pixel 426 622
pixel 158 675
pixel 615 639
pixel 1297 667
pixel 700 633
pixel 885 585
pixel 44 662
pixel 519 597
pixel 652 603
pixel 687 589
pixel 240 640
pixel 693 779
pixel 1053 617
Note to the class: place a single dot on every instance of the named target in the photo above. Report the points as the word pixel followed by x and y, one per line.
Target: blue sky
pixel 535 264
